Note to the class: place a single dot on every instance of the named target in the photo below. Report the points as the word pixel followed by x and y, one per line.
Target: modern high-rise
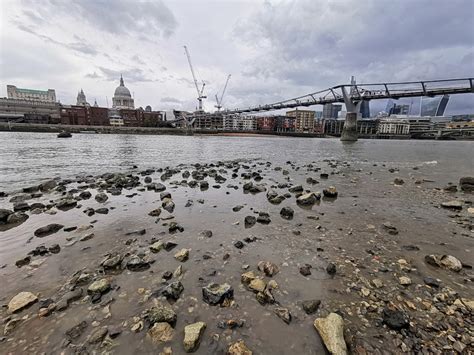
pixel 434 106
pixel 331 110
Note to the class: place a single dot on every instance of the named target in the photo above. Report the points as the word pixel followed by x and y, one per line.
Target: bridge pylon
pixel 349 131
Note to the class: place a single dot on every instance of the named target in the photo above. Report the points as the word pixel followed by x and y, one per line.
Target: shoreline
pixel 77 129
pixel 234 223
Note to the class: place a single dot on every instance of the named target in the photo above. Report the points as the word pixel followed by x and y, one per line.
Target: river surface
pixel 26 158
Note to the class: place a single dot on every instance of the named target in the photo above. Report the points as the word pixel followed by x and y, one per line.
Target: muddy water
pixel 340 231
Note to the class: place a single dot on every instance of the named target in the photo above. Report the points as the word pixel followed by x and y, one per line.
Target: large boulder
pixel 467 184
pixel 161 333
pixel 331 330
pixel 444 261
pixel 48 185
pixel 4 213
pixel 21 301
pixel 48 230
pixel 308 199
pixel 192 336
pixel 216 294
pixel 161 313
pixel 17 217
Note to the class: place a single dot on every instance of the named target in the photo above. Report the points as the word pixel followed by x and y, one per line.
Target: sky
pixel 274 50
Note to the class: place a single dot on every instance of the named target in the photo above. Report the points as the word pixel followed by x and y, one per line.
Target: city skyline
pixel 267 63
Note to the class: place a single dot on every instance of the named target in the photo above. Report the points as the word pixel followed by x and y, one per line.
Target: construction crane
pixel 219 101
pixel 199 92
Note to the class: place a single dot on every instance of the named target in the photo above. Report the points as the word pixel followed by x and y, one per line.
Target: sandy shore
pixel 124 263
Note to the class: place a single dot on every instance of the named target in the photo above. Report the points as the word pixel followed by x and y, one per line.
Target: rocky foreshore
pixel 240 257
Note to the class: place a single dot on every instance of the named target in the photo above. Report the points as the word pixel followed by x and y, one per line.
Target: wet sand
pixel 347 231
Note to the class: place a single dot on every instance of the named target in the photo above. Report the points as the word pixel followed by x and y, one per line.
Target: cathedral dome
pixel 121 90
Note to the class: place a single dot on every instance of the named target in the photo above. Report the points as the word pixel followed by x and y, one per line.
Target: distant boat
pixel 64 134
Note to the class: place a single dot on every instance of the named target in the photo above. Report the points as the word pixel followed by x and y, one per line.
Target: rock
pixel 182 255
pixel 156 247
pixel 331 330
pixel 239 244
pixel 331 269
pixel 97 335
pixel 137 263
pixel 171 291
pixel 239 348
pixel 445 261
pixel 175 227
pixel 102 210
pixel 169 245
pixel 85 195
pixel 430 281
pixel 112 261
pixel 20 301
pixel 161 313
pixel 454 205
pixel 21 206
pixel 394 319
pixel 87 237
pixel 17 217
pixel 22 262
pixel 257 285
pixel 101 197
pixel 99 286
pixel 296 188
pixel 214 294
pixel 206 234
pixel 155 213
pixel 287 213
pixel 305 270
pixel 48 185
pixel 168 205
pixel 4 213
pixel 398 181
pixel 377 283
pixel 264 218
pixel 165 194
pixel 311 306
pixel 268 268
pixel 247 277
pixel 284 314
pixel 65 204
pixel 249 221
pixel 467 184
pixel 391 229
pixel 76 331
pixel 404 281
pixel 330 192
pixel 160 333
pixel 237 208
pixel 48 230
pixel 69 297
pixel 308 199
pixel 11 325
pixel 203 185
pixel 192 336
pixel 137 232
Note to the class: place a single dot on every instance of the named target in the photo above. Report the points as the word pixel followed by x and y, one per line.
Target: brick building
pixel 266 123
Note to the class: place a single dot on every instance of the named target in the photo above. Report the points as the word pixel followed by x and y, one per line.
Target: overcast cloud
pixel 273 49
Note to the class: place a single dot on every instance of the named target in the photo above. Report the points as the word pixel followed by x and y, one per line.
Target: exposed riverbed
pixel 359 247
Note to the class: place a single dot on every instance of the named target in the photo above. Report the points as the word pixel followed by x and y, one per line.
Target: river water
pixel 27 158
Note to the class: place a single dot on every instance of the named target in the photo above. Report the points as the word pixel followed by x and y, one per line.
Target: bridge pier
pixel 349 131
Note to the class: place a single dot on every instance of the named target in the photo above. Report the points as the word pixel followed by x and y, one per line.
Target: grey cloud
pixel 130 75
pixel 122 17
pixel 79 46
pixel 170 100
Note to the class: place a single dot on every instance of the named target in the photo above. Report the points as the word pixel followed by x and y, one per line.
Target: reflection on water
pixel 29 157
